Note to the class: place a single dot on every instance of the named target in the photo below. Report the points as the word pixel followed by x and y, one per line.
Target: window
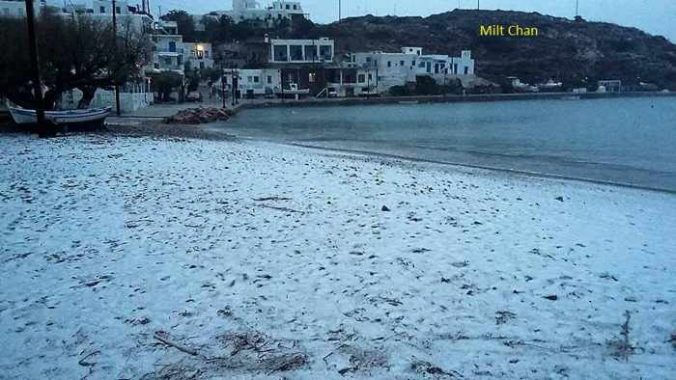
pixel 389 64
pixel 295 7
pixel 269 79
pixel 370 76
pixel 296 52
pixel 102 9
pixel 179 60
pixel 361 78
pixel 167 61
pixel 201 65
pixel 310 52
pixel 288 7
pixel 280 53
pixel 172 46
pixel 312 77
pixel 117 10
pixel 413 63
pixel 249 79
pixel 326 52
pixel 455 68
pixel 401 63
pixel 466 70
pixel 256 79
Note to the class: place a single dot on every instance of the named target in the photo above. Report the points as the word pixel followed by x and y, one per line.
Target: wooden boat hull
pixel 23 116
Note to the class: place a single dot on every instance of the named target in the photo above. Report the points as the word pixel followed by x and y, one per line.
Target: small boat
pixel 23 116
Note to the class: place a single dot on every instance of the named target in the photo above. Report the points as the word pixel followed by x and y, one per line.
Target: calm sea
pixel 624 140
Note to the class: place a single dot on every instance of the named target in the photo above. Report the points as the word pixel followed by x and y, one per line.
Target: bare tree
pixel 75 53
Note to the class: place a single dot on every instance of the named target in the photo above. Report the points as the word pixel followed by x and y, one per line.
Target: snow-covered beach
pixel 128 258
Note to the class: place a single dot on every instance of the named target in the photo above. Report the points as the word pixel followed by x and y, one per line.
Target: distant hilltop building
pixel 17 8
pixel 251 10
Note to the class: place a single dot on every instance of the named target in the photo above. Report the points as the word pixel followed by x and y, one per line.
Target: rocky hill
pixel 573 51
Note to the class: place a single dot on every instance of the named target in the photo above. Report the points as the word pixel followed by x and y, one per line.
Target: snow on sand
pixel 149 258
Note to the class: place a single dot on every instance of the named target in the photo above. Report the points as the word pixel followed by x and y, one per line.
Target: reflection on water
pixel 628 141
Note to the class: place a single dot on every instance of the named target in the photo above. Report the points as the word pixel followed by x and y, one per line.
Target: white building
pixel 17 8
pixel 168 48
pixel 395 69
pixel 251 10
pixel 253 82
pixel 199 55
pixel 302 51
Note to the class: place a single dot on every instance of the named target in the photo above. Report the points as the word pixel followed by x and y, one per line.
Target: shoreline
pixel 430 99
pixel 207 132
pixel 516 172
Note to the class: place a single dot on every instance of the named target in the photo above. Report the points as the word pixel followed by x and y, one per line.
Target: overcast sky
pixel 653 16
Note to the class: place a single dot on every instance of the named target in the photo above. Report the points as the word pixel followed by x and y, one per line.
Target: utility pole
pixel 223 84
pixel 117 86
pixel 577 8
pixel 35 69
pixel 340 10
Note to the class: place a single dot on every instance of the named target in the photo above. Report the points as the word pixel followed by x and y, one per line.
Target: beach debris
pixel 285 362
pixel 274 198
pixel 560 199
pixel 426 368
pixel 285 209
pixel 552 297
pixel 622 347
pixel 163 337
pixel 83 362
pixel 385 208
pixel 361 359
pixel 199 115
pixel 502 317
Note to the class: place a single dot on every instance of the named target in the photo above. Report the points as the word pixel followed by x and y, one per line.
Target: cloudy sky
pixel 654 16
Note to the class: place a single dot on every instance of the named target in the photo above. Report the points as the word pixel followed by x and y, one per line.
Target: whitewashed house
pixel 301 51
pixel 396 69
pixel 168 49
pixel 253 82
pixel 199 55
pixel 251 10
pixel 17 8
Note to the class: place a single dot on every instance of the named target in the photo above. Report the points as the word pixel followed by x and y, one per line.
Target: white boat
pixel 26 116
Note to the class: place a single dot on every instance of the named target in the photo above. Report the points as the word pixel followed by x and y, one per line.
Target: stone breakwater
pixel 200 115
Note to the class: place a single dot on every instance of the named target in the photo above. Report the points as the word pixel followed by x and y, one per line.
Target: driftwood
pixel 161 336
pixel 285 209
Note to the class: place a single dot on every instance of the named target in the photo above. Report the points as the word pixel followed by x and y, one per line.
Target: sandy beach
pixel 128 257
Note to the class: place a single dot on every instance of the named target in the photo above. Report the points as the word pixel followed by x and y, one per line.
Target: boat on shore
pixel 22 116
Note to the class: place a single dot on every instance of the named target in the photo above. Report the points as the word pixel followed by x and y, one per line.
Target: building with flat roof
pixel 301 51
pixel 395 69
pixel 252 11
pixel 17 8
